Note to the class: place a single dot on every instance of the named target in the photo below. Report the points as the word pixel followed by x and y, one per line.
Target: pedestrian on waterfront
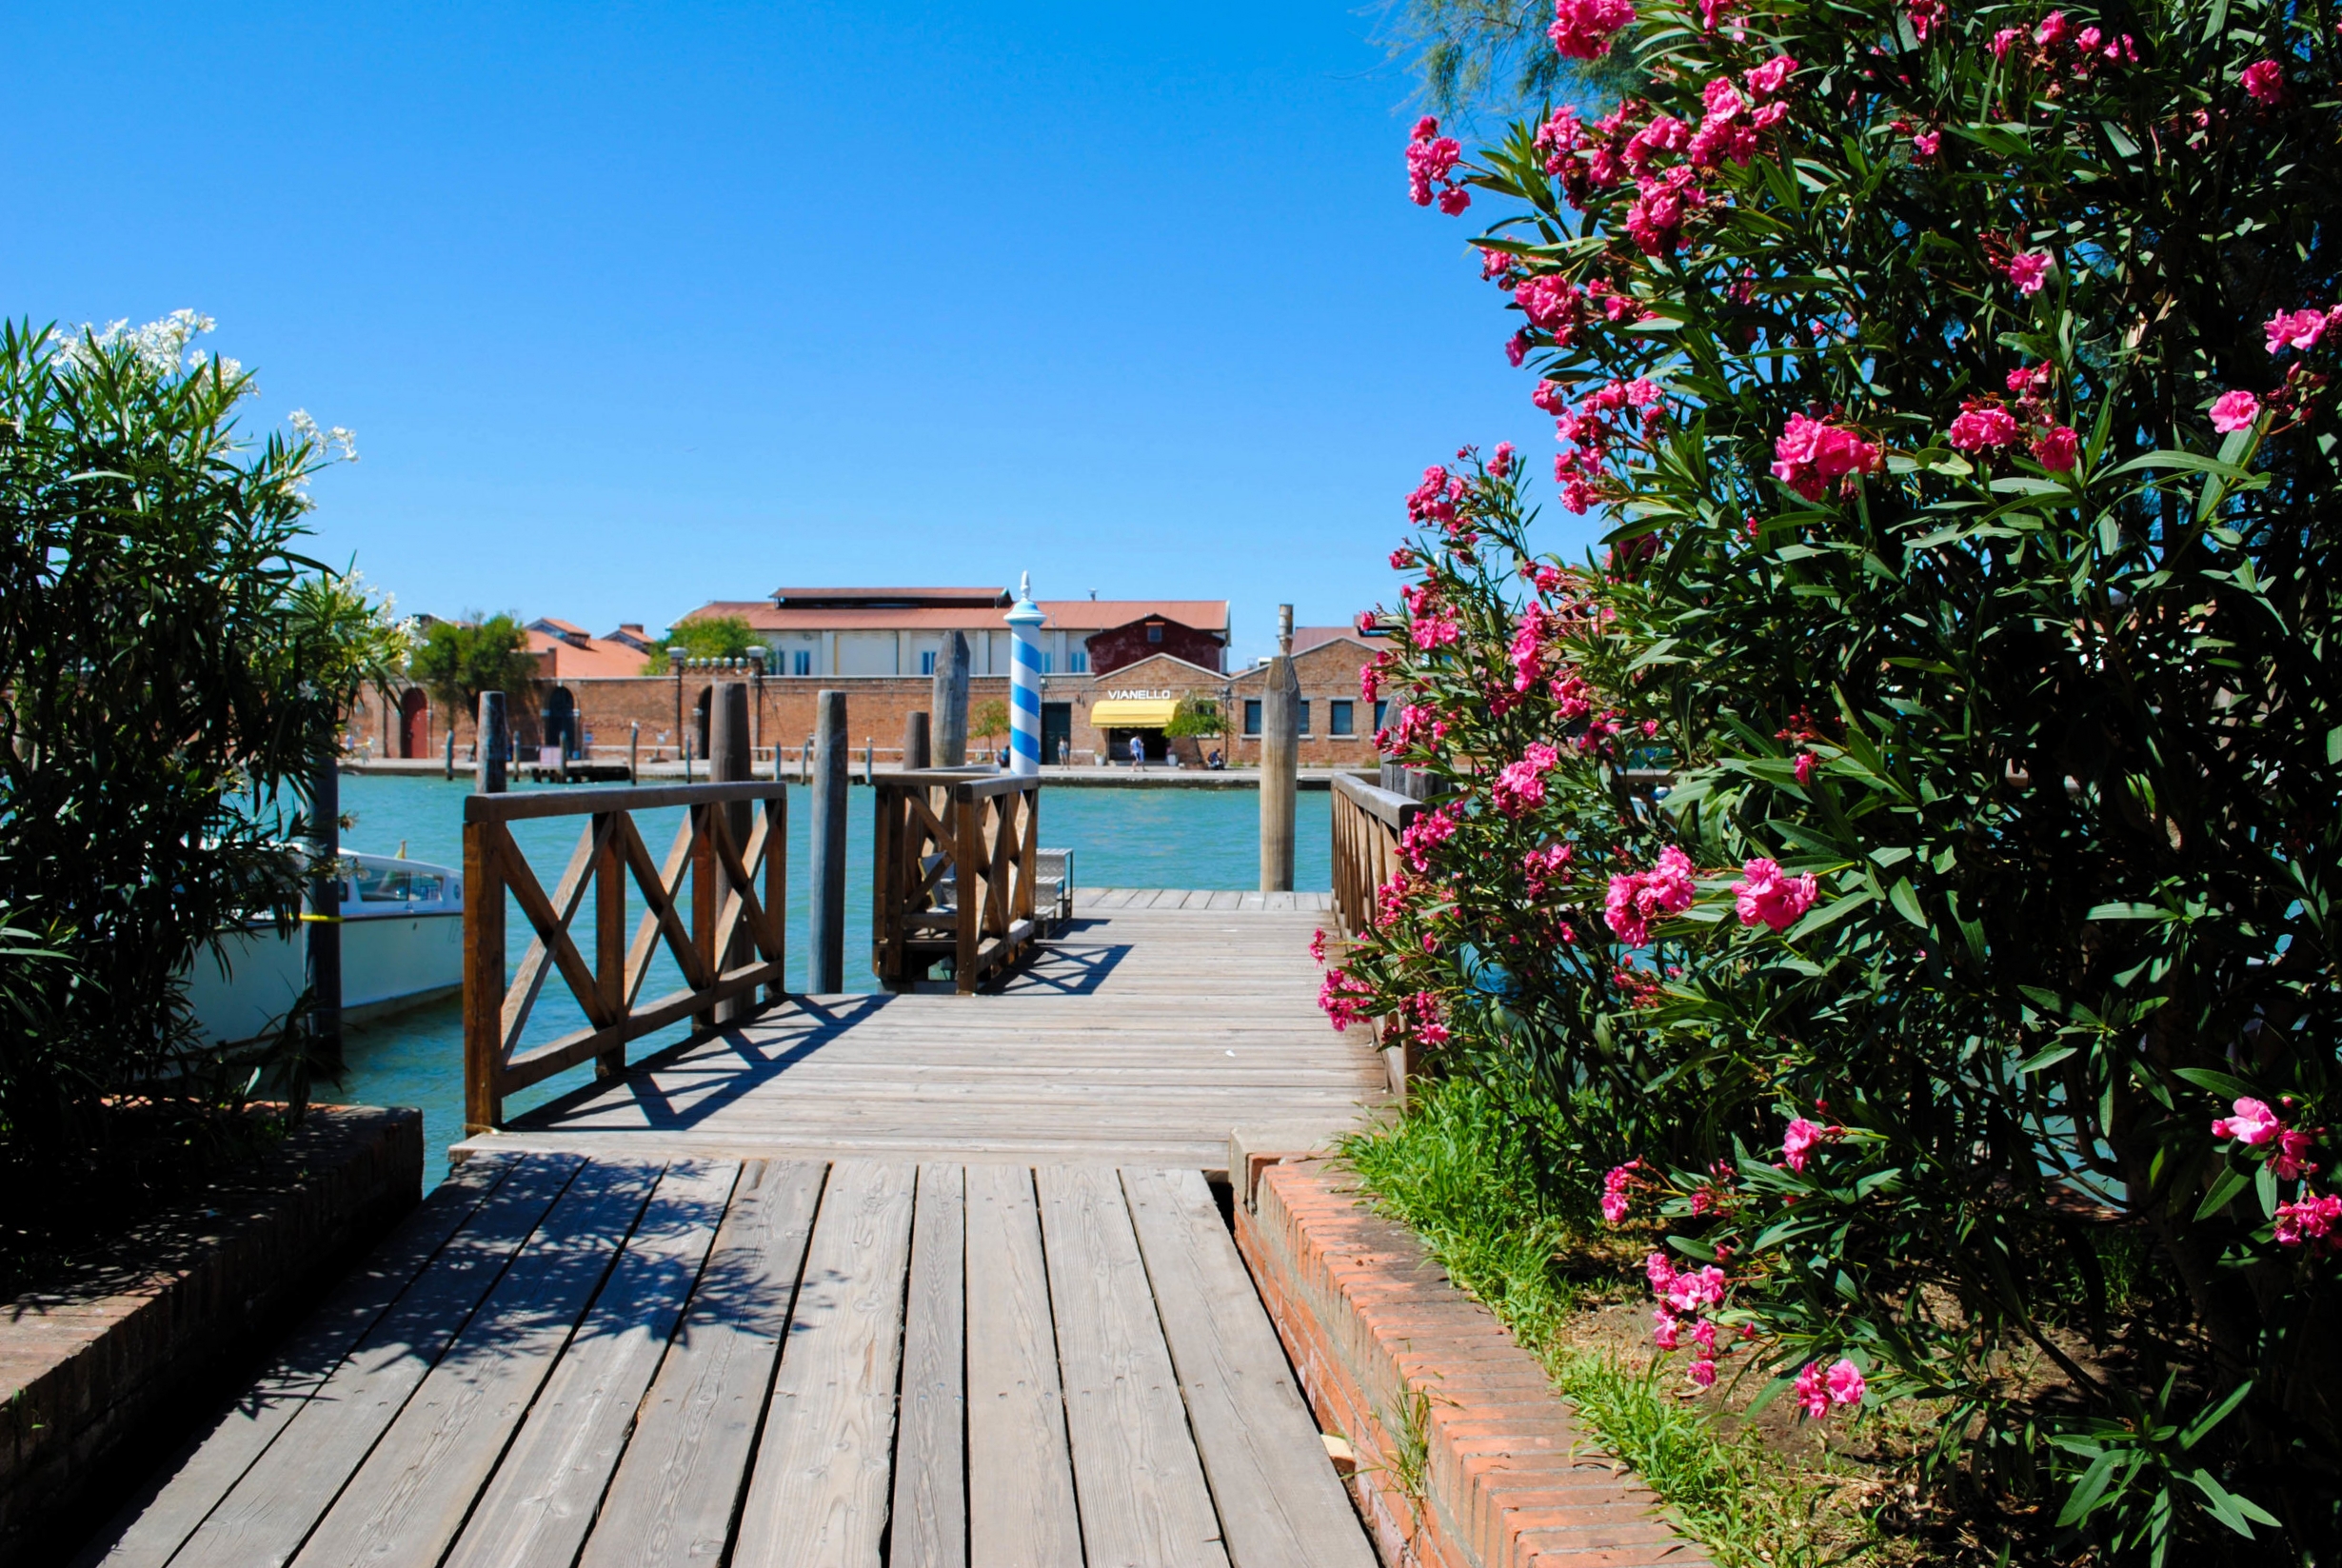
pixel 1215 762
pixel 1137 751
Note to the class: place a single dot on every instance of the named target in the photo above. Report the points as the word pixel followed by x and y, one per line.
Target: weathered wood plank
pixel 1143 1497
pixel 817 1493
pixel 1022 1512
pixel 1277 1496
pixel 158 1521
pixel 407 1500
pixel 676 1488
pixel 931 1510
pixel 268 1512
pixel 548 1483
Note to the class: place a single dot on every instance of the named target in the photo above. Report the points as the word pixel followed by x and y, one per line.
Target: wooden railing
pixel 726 929
pixel 954 872
pixel 1367 821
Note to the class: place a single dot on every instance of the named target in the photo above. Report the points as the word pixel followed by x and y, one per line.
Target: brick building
pixel 592 698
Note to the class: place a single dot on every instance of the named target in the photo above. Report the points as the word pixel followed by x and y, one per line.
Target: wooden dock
pixel 1144 1030
pixel 612 1362
pixel 903 1280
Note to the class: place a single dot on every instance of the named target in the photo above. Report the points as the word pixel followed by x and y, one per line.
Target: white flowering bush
pixel 1959 387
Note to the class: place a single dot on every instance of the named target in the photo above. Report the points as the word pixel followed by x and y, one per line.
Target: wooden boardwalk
pixel 914 1280
pixel 562 1360
pixel 1143 1031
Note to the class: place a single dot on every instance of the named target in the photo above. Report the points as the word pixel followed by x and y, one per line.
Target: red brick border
pixel 1373 1327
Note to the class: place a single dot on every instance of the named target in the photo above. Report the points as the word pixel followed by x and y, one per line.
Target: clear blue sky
pixel 633 307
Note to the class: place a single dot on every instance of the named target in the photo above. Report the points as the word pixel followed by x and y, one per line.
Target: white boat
pixel 402 945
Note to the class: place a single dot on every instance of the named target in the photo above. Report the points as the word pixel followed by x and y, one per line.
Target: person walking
pixel 1137 751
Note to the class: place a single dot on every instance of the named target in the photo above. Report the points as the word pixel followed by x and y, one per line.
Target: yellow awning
pixel 1133 712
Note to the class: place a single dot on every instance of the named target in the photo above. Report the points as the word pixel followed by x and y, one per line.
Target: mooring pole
pixel 950 703
pixel 1280 744
pixel 1024 620
pixel 495 744
pixel 915 739
pixel 451 749
pixel 727 762
pixel 634 751
pixel 825 956
pixel 325 927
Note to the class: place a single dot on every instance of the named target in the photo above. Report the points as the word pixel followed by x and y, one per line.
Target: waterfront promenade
pixel 903 1280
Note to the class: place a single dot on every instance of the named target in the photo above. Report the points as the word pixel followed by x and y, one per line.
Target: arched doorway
pixel 414 723
pixel 561 721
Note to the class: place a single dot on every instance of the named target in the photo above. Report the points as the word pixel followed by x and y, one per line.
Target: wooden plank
pixel 1255 903
pixel 407 1500
pixel 930 1509
pixel 817 1494
pixel 1277 1496
pixel 267 1514
pixel 680 1481
pixel 1227 899
pixel 158 1521
pixel 1021 1503
pixel 548 1483
pixel 1143 1497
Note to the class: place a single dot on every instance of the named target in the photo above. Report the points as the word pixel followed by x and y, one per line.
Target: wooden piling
pixel 325 928
pixel 950 703
pixel 634 749
pixel 915 749
pixel 825 956
pixel 495 744
pixel 728 763
pixel 1280 736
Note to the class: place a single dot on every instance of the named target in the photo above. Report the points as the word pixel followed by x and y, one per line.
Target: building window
pixel 1341 718
pixel 801 663
pixel 1154 631
pixel 1078 661
pixel 1252 715
pixel 1048 663
pixel 1379 708
pixel 926 662
pixel 1305 716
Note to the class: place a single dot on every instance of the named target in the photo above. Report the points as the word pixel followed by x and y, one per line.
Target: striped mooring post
pixel 1024 620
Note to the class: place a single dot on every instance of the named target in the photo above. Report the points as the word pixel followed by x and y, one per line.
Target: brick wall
pixel 1121 647
pixel 1382 1343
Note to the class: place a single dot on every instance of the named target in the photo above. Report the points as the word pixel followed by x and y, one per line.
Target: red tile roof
pixel 1305 638
pixel 597 659
pixel 1074 615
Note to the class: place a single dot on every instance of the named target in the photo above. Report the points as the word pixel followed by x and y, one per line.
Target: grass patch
pixel 1500 1202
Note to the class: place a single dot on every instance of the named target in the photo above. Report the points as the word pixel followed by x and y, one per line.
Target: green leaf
pixel 2129 911
pixel 1907 903
pixel 2218 1082
pixel 2049 1057
pixel 2222 1193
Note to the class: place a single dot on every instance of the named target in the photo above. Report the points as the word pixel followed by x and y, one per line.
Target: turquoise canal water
pixel 1120 838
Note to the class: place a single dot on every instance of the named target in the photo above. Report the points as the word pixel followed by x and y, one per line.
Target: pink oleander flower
pixel 1657 1269
pixel 1805 767
pixel 1703 1334
pixel 1666 1330
pixel 2051 31
pixel 1765 894
pixel 1982 425
pixel 1802 1138
pixel 1501 464
pixel 1695 1291
pixel 1317 947
pixel 2254 1124
pixel 1927 143
pixel 2235 411
pixel 2028 269
pixel 2265 81
pixel 1545 867
pixel 2291 1161
pixel 1520 785
pixel 1811 452
pixel 2309 1222
pixel 2058 450
pixel 1582 29
pixel 2295 329
pixel 1615 1189
pixel 1426 834
pixel 1703 1371
pixel 1432 157
pixel 2003 40
pixel 1517 349
pixel 1845 1384
pixel 1435 632
pixel 1767 80
pixel 1636 897
pixel 1813 1396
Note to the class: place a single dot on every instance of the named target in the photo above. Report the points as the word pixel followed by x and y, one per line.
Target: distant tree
pixel 459 660
pixel 704 637
pixel 988 721
pixel 1196 716
pixel 1493 57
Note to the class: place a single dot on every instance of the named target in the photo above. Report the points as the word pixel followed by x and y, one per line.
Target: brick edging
pixel 1373 1328
pixel 93 1381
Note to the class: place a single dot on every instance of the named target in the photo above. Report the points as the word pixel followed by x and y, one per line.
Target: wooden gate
pixel 954 868
pixel 726 928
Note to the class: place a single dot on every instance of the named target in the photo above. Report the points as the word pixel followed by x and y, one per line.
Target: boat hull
pixel 388 962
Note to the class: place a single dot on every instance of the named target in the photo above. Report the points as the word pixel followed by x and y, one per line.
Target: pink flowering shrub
pixel 1940 737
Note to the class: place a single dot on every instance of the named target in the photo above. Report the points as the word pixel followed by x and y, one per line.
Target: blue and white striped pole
pixel 1024 620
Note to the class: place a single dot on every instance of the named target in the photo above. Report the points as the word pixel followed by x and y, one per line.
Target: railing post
pixel 703 883
pixel 1028 857
pixel 495 742
pixel 484 979
pixel 1280 696
pixel 611 937
pixel 826 961
pixel 727 762
pixel 886 894
pixel 967 840
pixel 776 892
